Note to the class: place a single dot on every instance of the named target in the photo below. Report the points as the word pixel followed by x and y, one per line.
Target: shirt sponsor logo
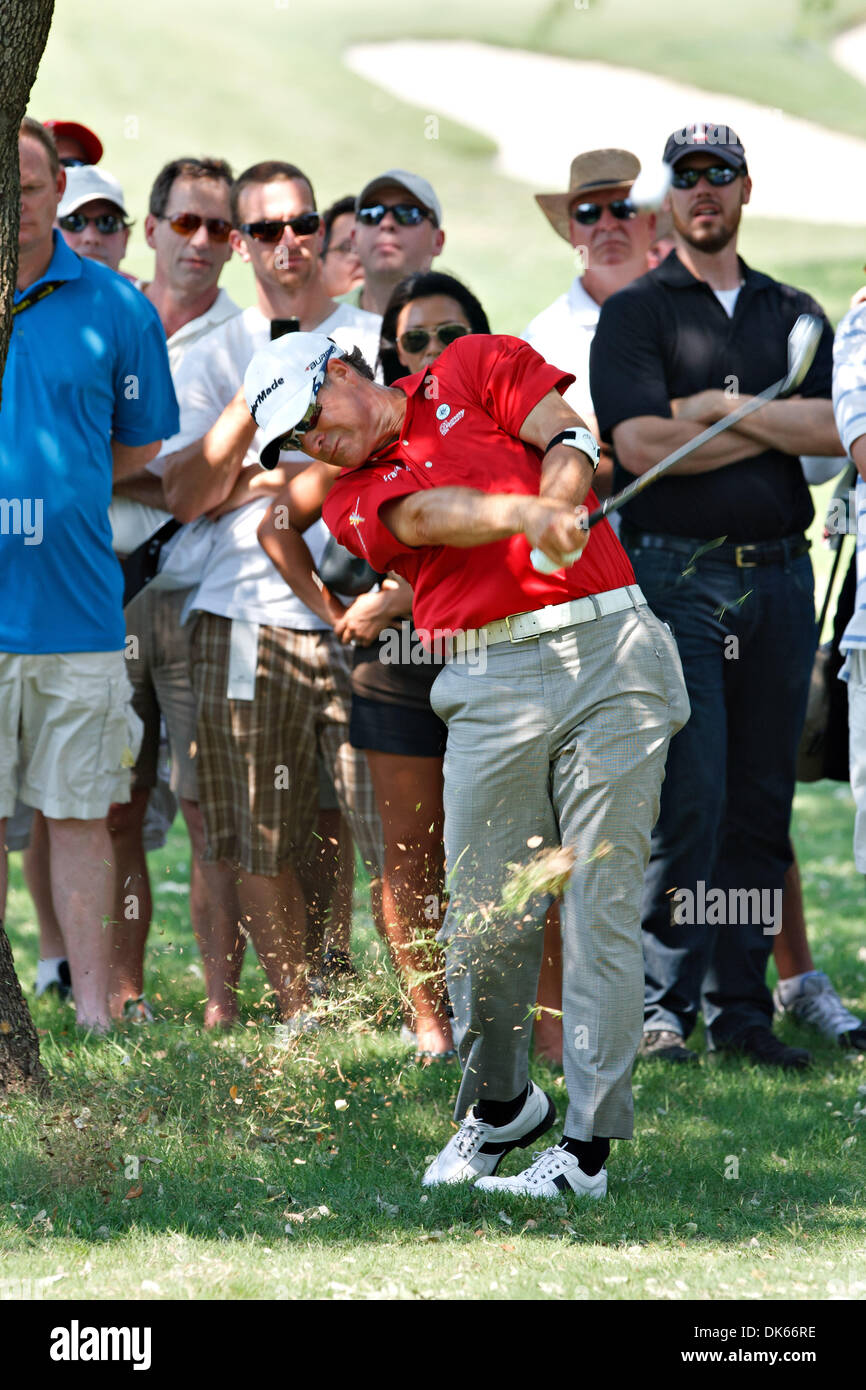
pixel 442 412
pixel 449 424
pixel 389 477
pixel 263 394
pixel 357 520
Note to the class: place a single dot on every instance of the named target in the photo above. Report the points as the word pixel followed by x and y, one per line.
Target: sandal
pixel 424 1056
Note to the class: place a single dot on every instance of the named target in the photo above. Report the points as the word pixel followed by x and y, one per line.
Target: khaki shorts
pixel 68 733
pixel 157 663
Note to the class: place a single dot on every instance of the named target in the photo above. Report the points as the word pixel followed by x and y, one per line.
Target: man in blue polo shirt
pixel 87 396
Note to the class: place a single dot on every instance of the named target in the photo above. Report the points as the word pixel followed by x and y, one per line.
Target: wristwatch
pixel 583 440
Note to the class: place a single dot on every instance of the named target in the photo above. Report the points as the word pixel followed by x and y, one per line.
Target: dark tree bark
pixel 24 26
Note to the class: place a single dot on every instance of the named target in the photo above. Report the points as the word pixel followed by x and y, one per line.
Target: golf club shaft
pixel 613 504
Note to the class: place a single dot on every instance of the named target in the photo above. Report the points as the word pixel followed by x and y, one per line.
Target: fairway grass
pixel 174 1163
pixel 171 1163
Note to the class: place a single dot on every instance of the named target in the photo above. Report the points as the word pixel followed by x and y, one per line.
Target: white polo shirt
pixel 132 522
pixel 237 579
pixel 563 335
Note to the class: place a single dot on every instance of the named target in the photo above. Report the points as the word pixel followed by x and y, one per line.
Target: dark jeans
pixel 746 639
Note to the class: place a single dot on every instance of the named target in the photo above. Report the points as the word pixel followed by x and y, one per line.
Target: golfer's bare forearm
pixel 458 516
pixel 643 441
pixel 566 474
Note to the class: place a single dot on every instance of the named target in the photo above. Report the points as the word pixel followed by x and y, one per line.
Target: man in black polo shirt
pixel 718 548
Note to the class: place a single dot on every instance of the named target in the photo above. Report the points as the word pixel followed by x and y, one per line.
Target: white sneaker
pixel 478 1148
pixel 817 1002
pixel 554 1172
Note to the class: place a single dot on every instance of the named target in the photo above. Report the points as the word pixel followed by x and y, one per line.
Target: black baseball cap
pixel 718 140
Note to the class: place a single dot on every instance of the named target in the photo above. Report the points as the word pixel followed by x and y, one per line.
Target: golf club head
pixel 803 341
pixel 651 187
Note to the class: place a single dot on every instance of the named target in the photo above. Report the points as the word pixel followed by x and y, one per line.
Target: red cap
pixel 89 142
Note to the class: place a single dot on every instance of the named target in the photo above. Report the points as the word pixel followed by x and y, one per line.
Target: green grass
pixel 233 1182
pixel 257 1180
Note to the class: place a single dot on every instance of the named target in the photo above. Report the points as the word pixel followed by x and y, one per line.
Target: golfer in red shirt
pixel 561 698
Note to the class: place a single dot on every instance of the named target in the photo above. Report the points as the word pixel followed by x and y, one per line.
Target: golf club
pixel 802 345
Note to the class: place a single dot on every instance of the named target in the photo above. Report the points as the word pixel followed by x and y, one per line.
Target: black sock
pixel 590 1153
pixel 500 1112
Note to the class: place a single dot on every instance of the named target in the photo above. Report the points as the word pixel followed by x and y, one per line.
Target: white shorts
pixel 68 733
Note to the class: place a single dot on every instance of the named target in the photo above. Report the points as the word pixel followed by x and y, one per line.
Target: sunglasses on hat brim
pixel 293 438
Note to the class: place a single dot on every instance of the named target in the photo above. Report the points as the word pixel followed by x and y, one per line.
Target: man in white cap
pixel 398 230
pixel 558 738
pixel 92 215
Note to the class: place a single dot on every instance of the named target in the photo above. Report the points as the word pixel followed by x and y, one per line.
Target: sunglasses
pixel 587 214
pixel 187 223
pixel 304 225
pixel 405 214
pixel 417 339
pixel 310 417
pixel 107 222
pixel 72 162
pixel 719 175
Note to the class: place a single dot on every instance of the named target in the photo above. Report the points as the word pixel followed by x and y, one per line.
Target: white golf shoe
pixel 554 1173
pixel 478 1148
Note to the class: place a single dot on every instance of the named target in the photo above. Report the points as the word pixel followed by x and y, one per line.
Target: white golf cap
pixel 280 383
pixel 420 189
pixel 84 184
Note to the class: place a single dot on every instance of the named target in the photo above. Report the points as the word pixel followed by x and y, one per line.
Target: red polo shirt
pixel 462 431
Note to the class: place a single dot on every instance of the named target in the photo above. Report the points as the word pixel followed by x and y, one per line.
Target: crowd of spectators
pixel 274 689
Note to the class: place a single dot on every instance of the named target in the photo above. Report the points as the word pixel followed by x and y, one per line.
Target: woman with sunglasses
pixel 392 721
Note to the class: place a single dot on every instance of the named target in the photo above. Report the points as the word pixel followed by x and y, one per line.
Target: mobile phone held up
pixel 281 326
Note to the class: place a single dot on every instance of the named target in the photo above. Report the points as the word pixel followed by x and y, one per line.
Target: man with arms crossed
pixel 719 548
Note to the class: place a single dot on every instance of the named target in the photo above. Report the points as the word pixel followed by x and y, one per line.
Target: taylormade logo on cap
pixel 280 382
pixel 266 391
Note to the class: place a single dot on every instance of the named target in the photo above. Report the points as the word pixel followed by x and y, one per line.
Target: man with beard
pixel 719 549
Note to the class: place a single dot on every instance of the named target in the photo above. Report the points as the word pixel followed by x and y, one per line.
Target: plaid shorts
pixel 257 759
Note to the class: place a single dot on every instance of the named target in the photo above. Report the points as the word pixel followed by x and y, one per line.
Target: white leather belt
pixel 523 627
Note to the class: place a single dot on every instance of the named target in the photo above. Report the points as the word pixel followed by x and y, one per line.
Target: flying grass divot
pixel 548 872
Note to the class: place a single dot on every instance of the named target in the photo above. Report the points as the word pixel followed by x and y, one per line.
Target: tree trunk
pixel 24 26
pixel 20 1066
